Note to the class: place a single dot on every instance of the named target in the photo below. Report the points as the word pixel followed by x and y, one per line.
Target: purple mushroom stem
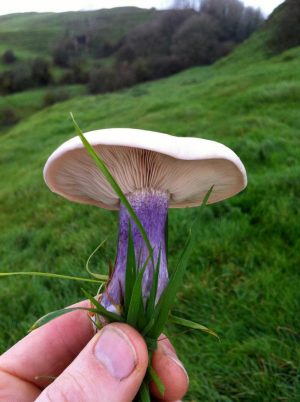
pixel 151 207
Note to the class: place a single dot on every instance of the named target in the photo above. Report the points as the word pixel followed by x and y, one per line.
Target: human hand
pixel 106 367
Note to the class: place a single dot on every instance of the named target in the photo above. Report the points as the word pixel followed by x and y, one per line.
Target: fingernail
pixel 116 353
pixel 168 349
pixel 178 362
pixel 170 352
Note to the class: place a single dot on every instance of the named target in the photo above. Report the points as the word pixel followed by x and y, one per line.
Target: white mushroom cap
pixel 183 167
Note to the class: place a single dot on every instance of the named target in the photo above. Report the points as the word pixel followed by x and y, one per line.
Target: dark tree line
pixel 8 57
pixel 23 76
pixel 193 32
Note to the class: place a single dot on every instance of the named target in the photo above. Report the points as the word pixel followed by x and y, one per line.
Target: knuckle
pixel 68 389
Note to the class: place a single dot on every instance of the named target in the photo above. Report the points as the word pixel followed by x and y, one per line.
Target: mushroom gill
pixel 135 169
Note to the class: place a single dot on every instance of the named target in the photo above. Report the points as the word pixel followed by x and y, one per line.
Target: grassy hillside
pixel 112 49
pixel 243 276
pixel 35 34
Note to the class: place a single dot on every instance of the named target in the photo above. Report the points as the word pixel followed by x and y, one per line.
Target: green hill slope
pixel 243 277
pixel 35 34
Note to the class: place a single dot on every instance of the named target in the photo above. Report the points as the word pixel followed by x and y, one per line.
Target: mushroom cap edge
pixel 180 148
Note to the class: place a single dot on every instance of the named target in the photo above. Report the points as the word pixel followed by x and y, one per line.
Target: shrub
pixel 75 75
pixel 153 38
pixel 236 22
pixel 55 96
pixel 197 41
pixel 125 75
pixel 142 69
pixel 103 49
pixel 164 66
pixel 105 79
pixel 250 21
pixel 102 79
pixel 127 52
pixel 8 116
pixel 9 57
pixel 18 79
pixel 66 52
pixel 286 32
pixel 40 72
pixel 27 75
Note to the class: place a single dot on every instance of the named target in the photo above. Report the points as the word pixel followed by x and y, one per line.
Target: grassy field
pixel 243 276
pixel 35 34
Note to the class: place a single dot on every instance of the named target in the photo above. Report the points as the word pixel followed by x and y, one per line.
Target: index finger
pixel 48 350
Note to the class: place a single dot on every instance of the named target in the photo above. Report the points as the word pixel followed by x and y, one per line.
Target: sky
pixel 17 6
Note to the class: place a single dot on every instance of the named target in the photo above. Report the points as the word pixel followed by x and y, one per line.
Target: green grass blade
pixel 54 314
pixel 99 291
pixel 56 276
pixel 97 276
pixel 131 273
pixel 153 292
pixel 200 208
pixel 144 393
pixel 167 298
pixel 101 310
pixel 157 381
pixel 167 238
pixel 95 322
pixel 147 328
pixel 191 324
pixel 111 180
pixel 136 300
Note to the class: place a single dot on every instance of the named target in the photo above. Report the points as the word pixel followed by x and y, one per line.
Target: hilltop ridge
pixel 16 30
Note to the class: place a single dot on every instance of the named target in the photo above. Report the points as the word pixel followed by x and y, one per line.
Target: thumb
pixel 110 368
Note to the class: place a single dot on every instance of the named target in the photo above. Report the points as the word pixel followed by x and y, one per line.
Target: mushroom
pixel 155 171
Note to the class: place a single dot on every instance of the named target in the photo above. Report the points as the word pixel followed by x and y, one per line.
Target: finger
pixel 162 400
pixel 15 389
pixel 109 369
pixel 48 350
pixel 170 370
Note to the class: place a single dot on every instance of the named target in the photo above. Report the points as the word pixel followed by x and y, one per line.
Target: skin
pixel 64 348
